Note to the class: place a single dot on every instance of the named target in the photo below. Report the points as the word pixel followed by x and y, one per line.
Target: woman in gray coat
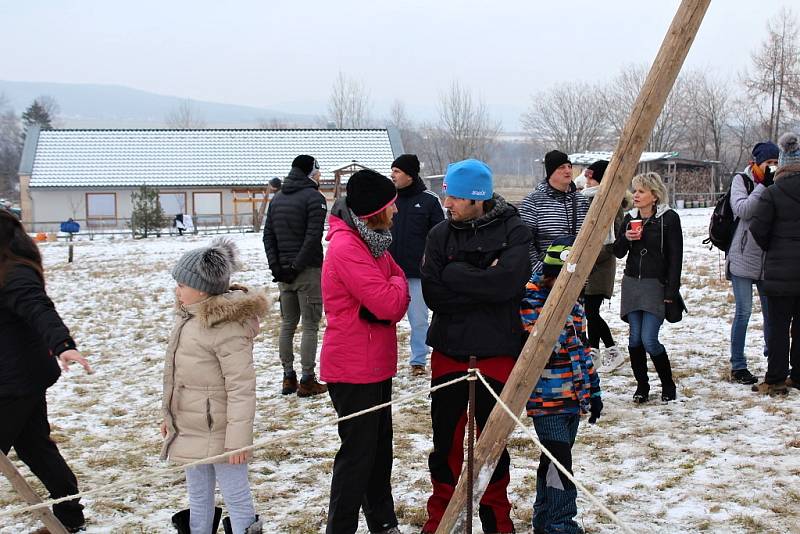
pixel 745 259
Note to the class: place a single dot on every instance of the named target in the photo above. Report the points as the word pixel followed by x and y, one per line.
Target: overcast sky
pixel 284 54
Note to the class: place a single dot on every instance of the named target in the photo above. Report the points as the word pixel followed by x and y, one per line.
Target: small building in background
pixel 219 177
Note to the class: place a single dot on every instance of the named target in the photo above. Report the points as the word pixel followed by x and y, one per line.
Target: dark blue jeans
pixel 554 509
pixel 644 331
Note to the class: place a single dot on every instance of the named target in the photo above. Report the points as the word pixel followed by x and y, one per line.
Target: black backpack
pixel 723 223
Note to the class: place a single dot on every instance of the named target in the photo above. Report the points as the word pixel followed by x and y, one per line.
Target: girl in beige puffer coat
pixel 209 387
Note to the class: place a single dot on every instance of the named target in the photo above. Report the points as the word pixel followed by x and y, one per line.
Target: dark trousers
pixel 449 419
pixel 597 326
pixel 555 506
pixel 362 469
pixel 25 427
pixel 783 317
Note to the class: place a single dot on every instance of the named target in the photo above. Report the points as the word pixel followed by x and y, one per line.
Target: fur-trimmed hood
pixel 238 304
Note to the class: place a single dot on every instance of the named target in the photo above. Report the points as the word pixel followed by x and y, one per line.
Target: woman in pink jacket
pixel 365 294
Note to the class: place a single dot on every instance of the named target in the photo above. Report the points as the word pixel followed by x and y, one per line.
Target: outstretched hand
pixel 70 356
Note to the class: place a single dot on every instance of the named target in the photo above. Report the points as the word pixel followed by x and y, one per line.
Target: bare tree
pixel 53 109
pixel 10 147
pixel 433 149
pixel 349 104
pixel 466 123
pixel 620 94
pixel 185 116
pixel 568 117
pixel 708 114
pixel 775 75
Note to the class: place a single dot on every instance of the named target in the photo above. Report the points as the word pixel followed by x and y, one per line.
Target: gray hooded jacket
pixel 745 258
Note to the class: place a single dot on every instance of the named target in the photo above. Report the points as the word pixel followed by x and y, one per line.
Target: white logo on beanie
pixel 482 193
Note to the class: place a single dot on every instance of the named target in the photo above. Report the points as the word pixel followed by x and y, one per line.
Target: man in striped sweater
pixel 554 208
pixel 568 387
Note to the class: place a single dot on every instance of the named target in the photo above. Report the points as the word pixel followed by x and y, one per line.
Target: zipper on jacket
pixel 172 390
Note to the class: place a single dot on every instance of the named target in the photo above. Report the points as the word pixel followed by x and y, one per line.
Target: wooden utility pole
pixel 584 253
pixel 26 492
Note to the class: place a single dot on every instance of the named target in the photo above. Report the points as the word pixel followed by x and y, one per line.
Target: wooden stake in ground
pixel 584 253
pixel 26 492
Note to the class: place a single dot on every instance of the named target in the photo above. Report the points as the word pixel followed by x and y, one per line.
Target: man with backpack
pixel 745 260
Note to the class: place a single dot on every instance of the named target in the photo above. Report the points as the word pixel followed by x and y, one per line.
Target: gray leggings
pixel 200 483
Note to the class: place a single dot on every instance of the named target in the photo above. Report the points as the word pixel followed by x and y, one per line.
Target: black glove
pixel 769 178
pixel 595 409
pixel 368 316
pixel 287 276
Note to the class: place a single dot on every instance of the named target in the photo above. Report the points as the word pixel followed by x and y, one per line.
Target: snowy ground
pixel 720 459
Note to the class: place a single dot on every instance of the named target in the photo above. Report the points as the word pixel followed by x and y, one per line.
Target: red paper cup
pixel 636 225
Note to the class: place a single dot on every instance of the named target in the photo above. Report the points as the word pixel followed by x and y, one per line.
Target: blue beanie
pixel 470 179
pixel 764 151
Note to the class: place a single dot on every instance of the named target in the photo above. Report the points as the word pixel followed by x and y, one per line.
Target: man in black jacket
pixel 293 242
pixel 473 277
pixel 418 210
pixel 776 228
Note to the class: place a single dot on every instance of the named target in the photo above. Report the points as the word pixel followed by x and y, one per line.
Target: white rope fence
pixel 547 453
pixel 161 473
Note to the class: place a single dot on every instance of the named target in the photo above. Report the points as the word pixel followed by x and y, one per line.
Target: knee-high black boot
pixel 639 367
pixel 664 370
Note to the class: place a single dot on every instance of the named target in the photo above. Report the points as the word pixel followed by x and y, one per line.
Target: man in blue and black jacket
pixel 418 210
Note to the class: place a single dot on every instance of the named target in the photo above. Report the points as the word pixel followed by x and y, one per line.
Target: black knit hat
pixel 408 163
pixel 553 160
pixel 598 169
pixel 307 164
pixel 369 192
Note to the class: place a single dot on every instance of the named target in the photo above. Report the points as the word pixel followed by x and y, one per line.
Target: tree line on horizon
pixel 707 116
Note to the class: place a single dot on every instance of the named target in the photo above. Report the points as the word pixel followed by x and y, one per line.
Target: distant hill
pixel 116 106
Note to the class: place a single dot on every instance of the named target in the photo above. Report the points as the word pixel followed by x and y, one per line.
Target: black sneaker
pixel 743 376
pixel 792 383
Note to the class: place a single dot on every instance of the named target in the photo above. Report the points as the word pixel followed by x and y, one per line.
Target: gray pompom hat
pixel 209 269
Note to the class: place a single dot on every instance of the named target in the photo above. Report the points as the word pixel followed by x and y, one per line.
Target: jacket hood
pixel 296 180
pixel 501 210
pixel 661 209
pixel 787 170
pixel 237 305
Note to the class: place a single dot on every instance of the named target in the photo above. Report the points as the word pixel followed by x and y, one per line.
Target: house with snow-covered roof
pixel 218 176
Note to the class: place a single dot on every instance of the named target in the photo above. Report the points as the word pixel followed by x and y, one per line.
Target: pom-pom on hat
pixel 408 163
pixel 553 160
pixel 790 149
pixel 307 164
pixel 369 192
pixel 556 255
pixel 470 178
pixel 765 151
pixel 209 269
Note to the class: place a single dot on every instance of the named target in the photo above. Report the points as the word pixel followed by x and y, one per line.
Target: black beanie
pixel 305 164
pixel 598 169
pixel 369 192
pixel 408 163
pixel 553 160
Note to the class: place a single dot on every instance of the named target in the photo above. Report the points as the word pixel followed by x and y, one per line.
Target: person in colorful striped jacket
pixel 568 388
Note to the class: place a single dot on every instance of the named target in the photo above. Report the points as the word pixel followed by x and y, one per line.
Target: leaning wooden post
pixel 26 492
pixel 587 246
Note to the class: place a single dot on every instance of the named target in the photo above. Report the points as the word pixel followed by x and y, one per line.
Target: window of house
pixel 101 207
pixel 172 203
pixel 207 207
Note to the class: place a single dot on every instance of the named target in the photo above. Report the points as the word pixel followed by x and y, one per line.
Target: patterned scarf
pixel 378 241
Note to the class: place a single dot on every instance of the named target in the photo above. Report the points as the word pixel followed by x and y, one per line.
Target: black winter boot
pixel 639 367
pixel 256 527
pixel 181 521
pixel 661 361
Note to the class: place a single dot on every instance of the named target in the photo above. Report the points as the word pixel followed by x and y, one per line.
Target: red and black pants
pixel 449 419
